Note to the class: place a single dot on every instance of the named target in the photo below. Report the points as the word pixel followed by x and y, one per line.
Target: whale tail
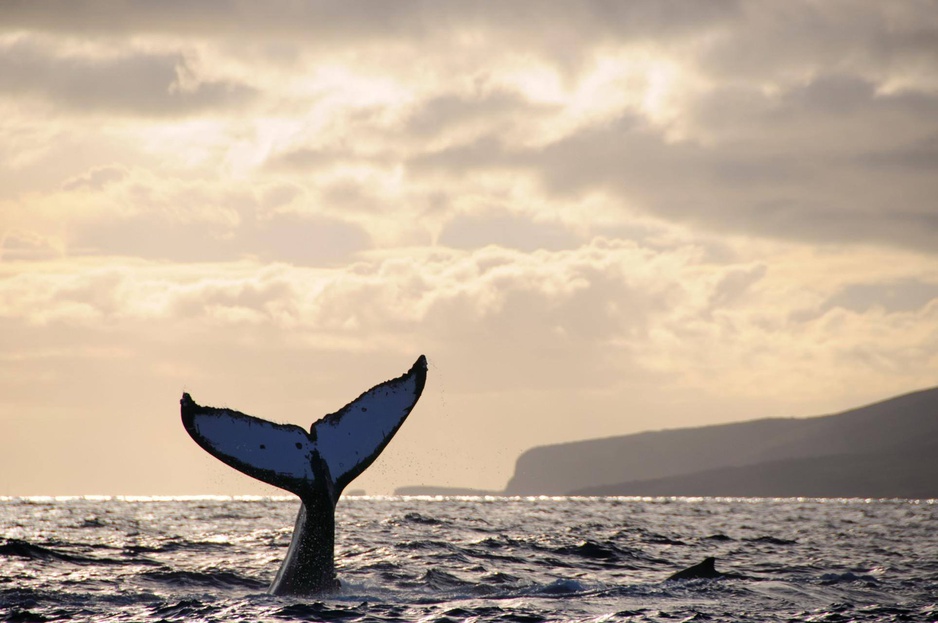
pixel 315 465
pixel 336 450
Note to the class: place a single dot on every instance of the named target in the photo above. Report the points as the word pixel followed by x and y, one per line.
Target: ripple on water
pixel 510 559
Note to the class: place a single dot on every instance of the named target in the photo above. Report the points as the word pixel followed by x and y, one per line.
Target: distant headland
pixel 888 449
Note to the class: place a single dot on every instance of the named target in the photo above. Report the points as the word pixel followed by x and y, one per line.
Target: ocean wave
pixel 24 549
pixel 849 576
pixel 184 610
pixel 318 611
pixel 176 545
pixel 531 560
pixel 216 579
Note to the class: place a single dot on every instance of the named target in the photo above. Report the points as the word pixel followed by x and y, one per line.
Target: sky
pixel 594 218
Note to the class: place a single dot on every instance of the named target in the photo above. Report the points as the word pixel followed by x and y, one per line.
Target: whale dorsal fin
pixel 286 456
pixel 704 569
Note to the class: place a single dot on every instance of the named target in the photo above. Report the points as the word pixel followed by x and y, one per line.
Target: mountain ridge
pixel 887 448
pixel 900 432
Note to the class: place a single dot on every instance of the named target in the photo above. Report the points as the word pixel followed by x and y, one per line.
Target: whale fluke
pixel 703 569
pixel 316 466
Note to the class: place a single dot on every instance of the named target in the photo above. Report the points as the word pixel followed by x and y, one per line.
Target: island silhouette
pixel 887 449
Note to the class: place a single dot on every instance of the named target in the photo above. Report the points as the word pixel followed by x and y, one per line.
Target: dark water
pixel 474 559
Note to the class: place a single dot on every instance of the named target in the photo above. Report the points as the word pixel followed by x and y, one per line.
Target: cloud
pixel 648 214
pixel 506 230
pixel 917 156
pixel 620 334
pixel 137 83
pixel 821 132
pixel 353 21
pixel 610 306
pixel 801 39
pixel 96 179
pixel 455 114
pixel 309 241
pixel 901 296
pixel 743 187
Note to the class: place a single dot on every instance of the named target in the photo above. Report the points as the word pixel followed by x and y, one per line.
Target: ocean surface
pixel 473 559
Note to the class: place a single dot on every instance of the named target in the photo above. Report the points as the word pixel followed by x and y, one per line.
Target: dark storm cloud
pixel 135 83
